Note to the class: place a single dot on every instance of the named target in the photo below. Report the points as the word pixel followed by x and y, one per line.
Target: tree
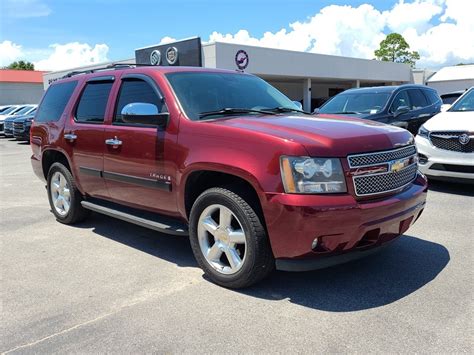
pixel 21 65
pixel 394 48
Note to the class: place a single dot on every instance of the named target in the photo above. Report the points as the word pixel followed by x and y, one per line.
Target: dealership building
pixel 307 77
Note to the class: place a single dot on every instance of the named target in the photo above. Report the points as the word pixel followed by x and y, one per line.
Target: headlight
pixel 423 132
pixel 304 175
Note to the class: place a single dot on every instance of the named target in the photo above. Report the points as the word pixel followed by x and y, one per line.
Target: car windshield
pixel 23 110
pixel 9 110
pixel 201 93
pixel 356 103
pixel 3 109
pixel 465 103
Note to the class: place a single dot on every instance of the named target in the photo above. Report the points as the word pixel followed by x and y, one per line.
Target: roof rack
pixel 115 66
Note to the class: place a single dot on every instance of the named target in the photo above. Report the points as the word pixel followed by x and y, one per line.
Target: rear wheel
pixel 228 239
pixel 64 197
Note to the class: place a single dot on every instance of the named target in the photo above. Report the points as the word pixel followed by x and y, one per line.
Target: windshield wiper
pixel 346 112
pixel 229 110
pixel 281 109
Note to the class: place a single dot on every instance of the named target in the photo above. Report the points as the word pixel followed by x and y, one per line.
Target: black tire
pixel 259 261
pixel 76 212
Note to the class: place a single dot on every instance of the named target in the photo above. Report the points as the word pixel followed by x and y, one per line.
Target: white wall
pixel 20 93
pixel 444 87
pixel 267 61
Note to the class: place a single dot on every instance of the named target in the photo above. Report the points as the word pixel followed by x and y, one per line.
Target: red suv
pixel 227 159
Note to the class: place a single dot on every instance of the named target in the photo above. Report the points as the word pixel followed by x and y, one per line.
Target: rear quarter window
pixel 55 101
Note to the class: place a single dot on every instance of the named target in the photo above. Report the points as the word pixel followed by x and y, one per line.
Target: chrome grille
pixel 386 182
pixel 450 141
pixel 8 125
pixel 18 127
pixel 378 173
pixel 380 157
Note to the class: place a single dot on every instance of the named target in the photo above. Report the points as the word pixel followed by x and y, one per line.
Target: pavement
pixel 108 286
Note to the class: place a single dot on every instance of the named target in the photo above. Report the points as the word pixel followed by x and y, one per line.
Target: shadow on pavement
pixel 451 187
pixel 399 270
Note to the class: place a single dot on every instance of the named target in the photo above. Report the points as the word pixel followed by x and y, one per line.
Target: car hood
pixel 325 135
pixel 451 121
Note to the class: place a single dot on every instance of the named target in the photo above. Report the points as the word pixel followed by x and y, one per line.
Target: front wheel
pixel 228 239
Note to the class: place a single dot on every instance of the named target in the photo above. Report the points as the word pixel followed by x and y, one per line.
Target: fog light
pixel 422 159
pixel 315 243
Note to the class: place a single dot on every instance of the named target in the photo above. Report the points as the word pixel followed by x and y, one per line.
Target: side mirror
pixel 401 110
pixel 144 113
pixel 445 107
pixel 316 110
pixel 297 103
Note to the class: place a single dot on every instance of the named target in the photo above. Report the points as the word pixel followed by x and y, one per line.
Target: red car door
pixel 84 135
pixel 138 158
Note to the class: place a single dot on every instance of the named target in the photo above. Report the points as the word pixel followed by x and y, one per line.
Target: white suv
pixel 446 142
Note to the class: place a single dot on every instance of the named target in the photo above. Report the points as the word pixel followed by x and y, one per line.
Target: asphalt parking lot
pixel 109 286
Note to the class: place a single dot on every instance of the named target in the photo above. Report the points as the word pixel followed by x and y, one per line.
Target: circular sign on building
pixel 241 59
pixel 155 57
pixel 172 55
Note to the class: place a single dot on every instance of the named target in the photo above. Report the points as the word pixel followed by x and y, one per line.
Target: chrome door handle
pixel 113 141
pixel 70 137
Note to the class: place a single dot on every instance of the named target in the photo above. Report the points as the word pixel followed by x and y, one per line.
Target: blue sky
pixel 34 25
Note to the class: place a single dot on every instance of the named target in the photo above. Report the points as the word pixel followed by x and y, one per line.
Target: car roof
pixel 384 89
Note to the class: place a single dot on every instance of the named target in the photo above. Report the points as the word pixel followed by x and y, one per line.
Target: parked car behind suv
pixel 227 159
pixel 406 106
pixel 446 142
pixel 21 127
pixel 8 123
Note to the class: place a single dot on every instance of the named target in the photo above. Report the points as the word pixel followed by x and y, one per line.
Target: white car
pixel 446 142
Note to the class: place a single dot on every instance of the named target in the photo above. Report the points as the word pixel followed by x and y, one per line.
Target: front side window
pixel 134 91
pixel 55 101
pixel 465 103
pixel 201 92
pixel 356 103
pixel 417 99
pixel 93 102
pixel 400 100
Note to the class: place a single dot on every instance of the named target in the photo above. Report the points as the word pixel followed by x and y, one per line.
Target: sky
pixel 61 34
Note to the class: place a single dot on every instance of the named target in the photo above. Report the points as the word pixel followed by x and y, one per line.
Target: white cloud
pixel 71 55
pixel 441 30
pixel 21 9
pixel 166 40
pixel 9 52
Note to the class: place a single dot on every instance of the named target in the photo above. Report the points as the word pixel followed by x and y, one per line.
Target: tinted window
pixel 55 101
pixel 400 100
pixel 432 96
pixel 93 102
pixel 136 90
pixel 24 110
pixel 449 99
pixel 417 99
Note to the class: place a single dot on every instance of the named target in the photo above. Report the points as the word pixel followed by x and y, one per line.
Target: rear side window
pixel 136 90
pixel 433 97
pixel 93 102
pixel 418 100
pixel 55 101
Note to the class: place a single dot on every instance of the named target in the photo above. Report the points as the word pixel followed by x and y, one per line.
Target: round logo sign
pixel 464 138
pixel 241 59
pixel 155 57
pixel 172 55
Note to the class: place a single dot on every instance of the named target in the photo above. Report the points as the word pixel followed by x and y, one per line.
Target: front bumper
pixel 22 134
pixel 444 164
pixel 341 225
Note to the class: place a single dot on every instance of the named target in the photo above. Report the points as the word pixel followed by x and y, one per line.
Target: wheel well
pixel 50 157
pixel 199 181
